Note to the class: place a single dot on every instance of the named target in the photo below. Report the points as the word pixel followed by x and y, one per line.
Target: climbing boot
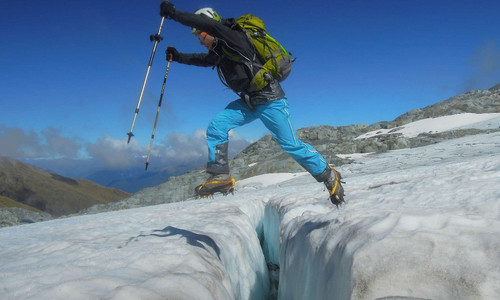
pixel 334 186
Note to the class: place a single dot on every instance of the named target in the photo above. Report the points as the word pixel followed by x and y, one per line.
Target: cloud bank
pixel 16 143
pixel 49 149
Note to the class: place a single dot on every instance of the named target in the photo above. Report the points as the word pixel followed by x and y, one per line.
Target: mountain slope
pixel 48 192
pixel 7 202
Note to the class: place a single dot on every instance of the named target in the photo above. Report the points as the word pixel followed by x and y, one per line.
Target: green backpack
pixel 277 62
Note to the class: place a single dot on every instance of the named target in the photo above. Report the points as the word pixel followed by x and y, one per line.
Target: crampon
pixel 334 186
pixel 209 188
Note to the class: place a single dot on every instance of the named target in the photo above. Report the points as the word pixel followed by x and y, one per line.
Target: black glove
pixel 167 9
pixel 172 53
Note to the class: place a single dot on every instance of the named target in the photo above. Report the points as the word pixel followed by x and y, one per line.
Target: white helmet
pixel 209 12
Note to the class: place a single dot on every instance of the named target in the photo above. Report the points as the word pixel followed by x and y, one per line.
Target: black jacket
pixel 228 43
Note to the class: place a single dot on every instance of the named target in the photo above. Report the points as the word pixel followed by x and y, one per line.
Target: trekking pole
pixel 157 38
pixel 158 111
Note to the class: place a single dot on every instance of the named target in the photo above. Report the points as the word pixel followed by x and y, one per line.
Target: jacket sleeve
pixel 233 38
pixel 198 59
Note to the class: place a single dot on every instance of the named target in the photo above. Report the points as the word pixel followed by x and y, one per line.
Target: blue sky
pixel 71 71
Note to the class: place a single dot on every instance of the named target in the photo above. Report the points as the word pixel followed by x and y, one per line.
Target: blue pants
pixel 276 117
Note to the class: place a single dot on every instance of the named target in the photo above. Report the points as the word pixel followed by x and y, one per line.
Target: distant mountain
pixel 135 179
pixel 130 180
pixel 23 186
pixel 265 155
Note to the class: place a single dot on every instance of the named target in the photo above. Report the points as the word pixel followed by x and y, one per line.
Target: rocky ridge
pixel 266 156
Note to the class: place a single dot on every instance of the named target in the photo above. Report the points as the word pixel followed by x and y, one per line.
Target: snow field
pixel 421 223
pixel 440 124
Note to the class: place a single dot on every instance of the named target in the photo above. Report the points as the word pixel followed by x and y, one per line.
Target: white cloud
pixel 49 143
pixel 56 145
pixel 176 150
pixel 116 154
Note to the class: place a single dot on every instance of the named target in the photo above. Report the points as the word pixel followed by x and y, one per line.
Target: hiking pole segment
pixel 158 112
pixel 157 38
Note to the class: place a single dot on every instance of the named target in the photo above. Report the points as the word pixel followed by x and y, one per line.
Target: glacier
pixel 421 223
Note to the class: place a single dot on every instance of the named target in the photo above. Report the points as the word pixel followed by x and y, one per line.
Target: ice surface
pixel 421 223
pixel 191 250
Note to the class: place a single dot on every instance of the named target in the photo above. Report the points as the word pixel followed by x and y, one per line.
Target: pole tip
pixel 147 164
